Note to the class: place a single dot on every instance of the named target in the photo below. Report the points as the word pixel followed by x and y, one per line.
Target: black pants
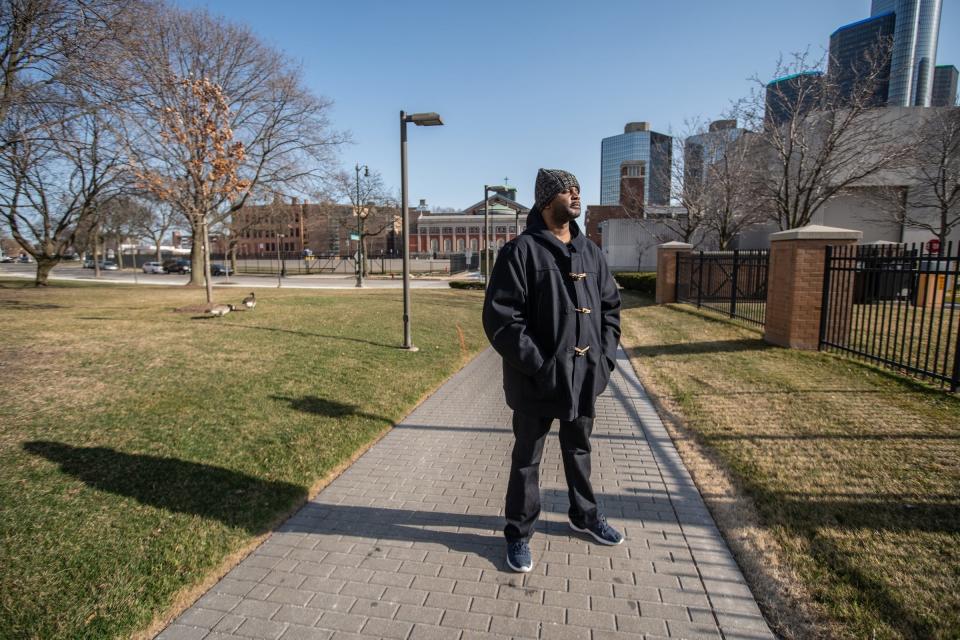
pixel 523 488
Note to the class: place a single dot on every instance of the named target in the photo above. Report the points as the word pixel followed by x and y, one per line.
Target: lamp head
pixel 431 119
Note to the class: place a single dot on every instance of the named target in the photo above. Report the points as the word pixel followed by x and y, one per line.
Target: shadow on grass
pixel 19 305
pixel 807 515
pixel 328 408
pixel 633 300
pixel 308 334
pixel 688 348
pixel 235 499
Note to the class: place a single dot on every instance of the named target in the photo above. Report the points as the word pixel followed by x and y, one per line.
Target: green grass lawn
pixel 853 471
pixel 140 447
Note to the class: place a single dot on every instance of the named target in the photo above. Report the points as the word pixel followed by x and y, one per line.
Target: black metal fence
pixel 731 282
pixel 296 263
pixel 895 306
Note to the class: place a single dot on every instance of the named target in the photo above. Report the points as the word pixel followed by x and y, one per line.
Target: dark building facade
pixel 852 49
pixel 792 96
pixel 944 86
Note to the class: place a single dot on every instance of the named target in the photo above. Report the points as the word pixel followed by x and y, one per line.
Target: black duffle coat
pixel 552 311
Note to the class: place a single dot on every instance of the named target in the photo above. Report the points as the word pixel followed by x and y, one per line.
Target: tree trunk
pixel 196 253
pixel 96 252
pixel 363 262
pixel 44 267
pixel 206 263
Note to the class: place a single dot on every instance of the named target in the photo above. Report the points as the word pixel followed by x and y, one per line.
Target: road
pixel 73 271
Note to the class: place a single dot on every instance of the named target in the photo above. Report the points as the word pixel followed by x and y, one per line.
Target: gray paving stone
pixel 407 542
pixel 381 628
pixel 182 632
pixel 300 632
pixel 256 628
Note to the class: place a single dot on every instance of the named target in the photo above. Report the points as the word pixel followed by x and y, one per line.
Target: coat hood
pixel 538 228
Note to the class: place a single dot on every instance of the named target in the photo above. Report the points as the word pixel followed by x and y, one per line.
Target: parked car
pixel 88 263
pixel 177 266
pixel 25 258
pixel 7 259
pixel 220 270
pixel 153 267
pixel 109 265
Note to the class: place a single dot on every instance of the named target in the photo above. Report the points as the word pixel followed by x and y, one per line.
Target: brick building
pixel 630 205
pixel 441 234
pixel 323 229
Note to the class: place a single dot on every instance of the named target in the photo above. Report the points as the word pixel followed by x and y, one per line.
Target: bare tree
pixel 817 135
pixel 59 159
pixel 156 223
pixel 197 121
pixel 119 220
pixel 55 177
pixel 727 191
pixel 928 194
pixel 372 209
pixel 46 43
pixel 283 129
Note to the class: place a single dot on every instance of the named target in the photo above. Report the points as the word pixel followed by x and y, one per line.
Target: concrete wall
pixel 631 245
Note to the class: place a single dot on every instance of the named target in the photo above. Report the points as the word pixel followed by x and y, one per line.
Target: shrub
pixel 466 284
pixel 641 282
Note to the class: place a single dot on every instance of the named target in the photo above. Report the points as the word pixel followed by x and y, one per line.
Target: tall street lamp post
pixel 421 120
pixel 358 212
pixel 486 231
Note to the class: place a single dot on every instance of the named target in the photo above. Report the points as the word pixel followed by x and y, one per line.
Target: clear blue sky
pixel 527 83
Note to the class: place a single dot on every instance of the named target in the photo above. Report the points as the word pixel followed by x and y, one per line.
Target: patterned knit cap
pixel 550 182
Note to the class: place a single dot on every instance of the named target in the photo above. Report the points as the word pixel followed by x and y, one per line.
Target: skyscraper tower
pixel 853 47
pixel 638 152
pixel 914 53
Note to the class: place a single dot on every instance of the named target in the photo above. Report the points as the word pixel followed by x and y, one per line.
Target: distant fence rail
pixel 730 282
pixel 896 307
pixel 295 263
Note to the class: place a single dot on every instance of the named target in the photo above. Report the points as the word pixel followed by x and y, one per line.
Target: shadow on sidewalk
pixel 479 535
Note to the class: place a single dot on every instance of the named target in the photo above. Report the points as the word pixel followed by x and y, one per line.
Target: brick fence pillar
pixel 795 283
pixel 667 270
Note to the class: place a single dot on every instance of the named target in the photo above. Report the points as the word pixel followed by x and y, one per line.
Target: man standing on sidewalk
pixel 552 311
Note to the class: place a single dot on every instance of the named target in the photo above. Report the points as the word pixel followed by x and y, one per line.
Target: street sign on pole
pixel 354 236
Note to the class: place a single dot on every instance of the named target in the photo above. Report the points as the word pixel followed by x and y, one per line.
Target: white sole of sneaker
pixel 595 536
pixel 527 569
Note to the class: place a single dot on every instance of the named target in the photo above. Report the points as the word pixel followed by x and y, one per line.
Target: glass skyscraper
pixel 944 86
pixel 914 53
pixel 851 47
pixel 704 149
pixel 637 149
pixel 792 96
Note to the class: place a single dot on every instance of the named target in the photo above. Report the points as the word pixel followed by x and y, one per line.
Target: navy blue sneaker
pixel 601 531
pixel 518 556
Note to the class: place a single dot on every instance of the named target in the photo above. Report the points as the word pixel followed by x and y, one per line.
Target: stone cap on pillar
pixel 673 245
pixel 816 232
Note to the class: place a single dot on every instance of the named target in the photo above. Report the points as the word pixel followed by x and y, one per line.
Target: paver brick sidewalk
pixel 407 542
